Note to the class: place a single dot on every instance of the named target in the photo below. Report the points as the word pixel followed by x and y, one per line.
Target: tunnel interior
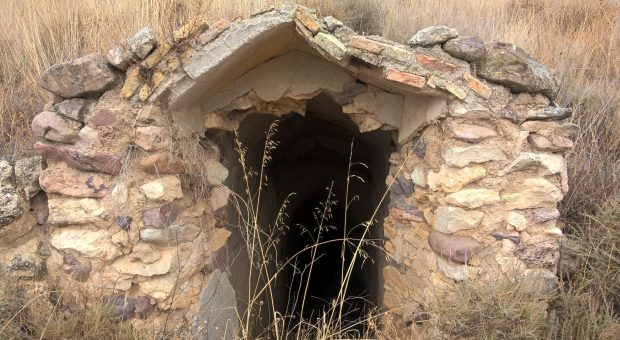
pixel 313 155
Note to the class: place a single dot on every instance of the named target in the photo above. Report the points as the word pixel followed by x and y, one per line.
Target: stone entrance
pixel 460 141
pixel 311 161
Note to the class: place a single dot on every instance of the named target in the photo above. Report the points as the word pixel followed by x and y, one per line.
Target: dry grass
pixel 596 245
pixel 503 309
pixel 27 313
pixel 577 39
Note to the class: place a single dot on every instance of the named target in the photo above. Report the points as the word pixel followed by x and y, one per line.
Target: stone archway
pixel 463 136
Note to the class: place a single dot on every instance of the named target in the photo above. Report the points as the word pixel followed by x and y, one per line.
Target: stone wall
pixel 473 184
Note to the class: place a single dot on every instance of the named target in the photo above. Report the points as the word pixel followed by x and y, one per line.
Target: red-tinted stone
pixel 92 161
pixel 477 86
pixel 551 143
pixel 52 126
pixel 458 249
pixel 366 44
pixel 405 78
pixel 213 32
pixel 103 117
pixel 307 19
pixel 73 183
pixel 434 63
pixel 160 163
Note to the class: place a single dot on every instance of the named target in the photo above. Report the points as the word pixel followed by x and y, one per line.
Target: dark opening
pixel 312 156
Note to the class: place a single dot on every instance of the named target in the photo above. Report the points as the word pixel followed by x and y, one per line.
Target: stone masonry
pixel 105 208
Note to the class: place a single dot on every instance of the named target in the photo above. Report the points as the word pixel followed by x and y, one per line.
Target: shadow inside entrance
pixel 312 161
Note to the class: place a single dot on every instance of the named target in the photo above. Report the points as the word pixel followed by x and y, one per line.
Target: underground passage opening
pixel 307 181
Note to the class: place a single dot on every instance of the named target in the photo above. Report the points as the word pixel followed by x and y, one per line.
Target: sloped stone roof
pixel 198 57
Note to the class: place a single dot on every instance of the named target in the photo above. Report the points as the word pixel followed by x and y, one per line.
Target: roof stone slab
pixel 375 60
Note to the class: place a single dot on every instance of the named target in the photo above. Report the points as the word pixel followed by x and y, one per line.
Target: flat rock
pixel 94 244
pixel 87 76
pixel 27 172
pixel 10 205
pixel 217 314
pixel 87 137
pixel 418 177
pixel 517 221
pixel 75 210
pixel 332 23
pixel 546 128
pixel 471 132
pixel 461 156
pixel 545 214
pixel 218 197
pixel 554 164
pixel 473 198
pixel 169 236
pixel 73 108
pixel 457 249
pixel 216 172
pixel 511 66
pixel 103 117
pixel 129 265
pixel 150 114
pixel 144 253
pixel 152 138
pixel 331 45
pixel 550 143
pixel 551 113
pixel 451 179
pixel 536 192
pixel 51 126
pixel 74 183
pixel 159 287
pixel 213 31
pixel 161 217
pixel 6 170
pixel 160 163
pixel 90 161
pixel 166 188
pixel 433 35
pixel 452 219
pixel 142 43
pixel 465 48
pixel 454 271
pixel 524 105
